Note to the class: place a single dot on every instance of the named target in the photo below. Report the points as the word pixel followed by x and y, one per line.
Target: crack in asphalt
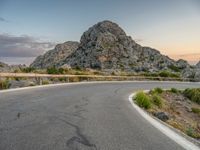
pixel 79 137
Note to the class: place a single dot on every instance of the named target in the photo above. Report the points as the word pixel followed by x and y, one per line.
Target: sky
pixel 28 28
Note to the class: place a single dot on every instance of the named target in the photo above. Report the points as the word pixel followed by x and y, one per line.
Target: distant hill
pixel 10 68
pixel 106 47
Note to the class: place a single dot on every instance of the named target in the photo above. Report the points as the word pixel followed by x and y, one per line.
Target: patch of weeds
pixel 174 90
pixel 174 68
pixel 193 94
pixel 196 110
pixel 158 90
pixel 143 100
pixel 191 132
pixel 157 100
pixel 176 125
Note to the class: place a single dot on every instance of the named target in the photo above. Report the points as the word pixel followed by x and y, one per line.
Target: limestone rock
pixel 55 56
pixel 106 46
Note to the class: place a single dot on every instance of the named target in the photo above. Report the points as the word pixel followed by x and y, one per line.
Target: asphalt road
pixel 94 116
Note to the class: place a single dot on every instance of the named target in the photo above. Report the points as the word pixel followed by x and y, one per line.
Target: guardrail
pixel 89 77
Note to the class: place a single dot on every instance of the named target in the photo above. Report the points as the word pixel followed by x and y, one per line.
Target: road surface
pixel 91 116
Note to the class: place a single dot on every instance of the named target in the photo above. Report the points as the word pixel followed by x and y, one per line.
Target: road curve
pixel 91 116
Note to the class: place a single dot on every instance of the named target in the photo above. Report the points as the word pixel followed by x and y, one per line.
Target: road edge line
pixel 90 82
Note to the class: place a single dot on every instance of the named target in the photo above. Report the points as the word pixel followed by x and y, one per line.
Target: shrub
pixel 174 90
pixel 27 69
pixel 193 94
pixel 158 90
pixel 168 74
pixel 164 74
pixel 143 100
pixel 196 110
pixel 52 70
pixel 174 68
pixel 61 71
pixel 157 100
pixel 191 132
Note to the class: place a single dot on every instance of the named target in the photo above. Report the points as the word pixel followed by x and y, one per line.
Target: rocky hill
pixel 56 56
pixel 106 47
pixel 10 68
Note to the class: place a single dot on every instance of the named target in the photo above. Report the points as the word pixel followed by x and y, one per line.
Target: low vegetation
pixel 174 90
pixel 157 100
pixel 178 108
pixel 143 100
pixel 196 110
pixel 164 74
pixel 193 94
pixel 157 90
pixel 4 84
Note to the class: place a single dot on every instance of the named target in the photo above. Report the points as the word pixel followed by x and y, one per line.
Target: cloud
pixel 3 20
pixel 22 46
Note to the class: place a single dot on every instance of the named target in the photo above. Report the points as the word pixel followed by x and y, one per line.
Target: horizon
pixel 30 28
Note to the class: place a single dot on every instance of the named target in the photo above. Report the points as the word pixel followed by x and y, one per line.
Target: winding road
pixel 85 116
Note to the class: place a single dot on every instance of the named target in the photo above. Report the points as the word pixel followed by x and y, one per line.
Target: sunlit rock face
pixel 56 56
pixel 106 46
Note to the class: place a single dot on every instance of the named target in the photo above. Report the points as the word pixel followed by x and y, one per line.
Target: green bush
pixel 54 70
pixel 174 90
pixel 174 68
pixel 158 90
pixel 196 110
pixel 157 100
pixel 27 69
pixel 191 132
pixel 168 74
pixel 193 94
pixel 143 100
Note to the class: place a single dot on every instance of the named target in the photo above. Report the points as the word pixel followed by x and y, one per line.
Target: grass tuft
pixel 193 94
pixel 143 100
pixel 196 110
pixel 174 90
pixel 157 100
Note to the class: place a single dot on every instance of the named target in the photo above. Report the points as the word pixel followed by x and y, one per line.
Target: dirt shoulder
pixel 178 108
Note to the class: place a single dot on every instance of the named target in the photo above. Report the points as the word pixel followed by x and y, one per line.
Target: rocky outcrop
pixel 56 56
pixel 106 46
pixel 181 64
pixel 198 65
pixel 192 72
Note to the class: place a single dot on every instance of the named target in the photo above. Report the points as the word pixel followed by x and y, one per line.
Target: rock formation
pixel 56 56
pixel 106 47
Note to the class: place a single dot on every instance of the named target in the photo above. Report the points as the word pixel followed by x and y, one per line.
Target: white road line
pixel 164 129
pixel 90 82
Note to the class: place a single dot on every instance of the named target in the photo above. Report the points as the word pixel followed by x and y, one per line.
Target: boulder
pixel 162 116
